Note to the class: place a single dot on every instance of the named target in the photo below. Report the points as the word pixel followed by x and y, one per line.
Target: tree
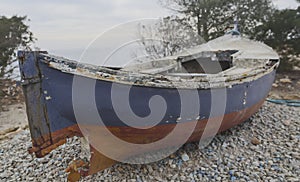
pixel 14 33
pixel 211 18
pixel 167 36
pixel 282 33
pixel 206 18
pixel 283 30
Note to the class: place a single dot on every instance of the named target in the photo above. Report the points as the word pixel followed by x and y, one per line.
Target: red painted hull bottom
pixel 157 133
pixel 137 136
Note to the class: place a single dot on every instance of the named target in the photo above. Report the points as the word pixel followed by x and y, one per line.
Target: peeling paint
pixel 178 120
pixel 209 81
pixel 251 60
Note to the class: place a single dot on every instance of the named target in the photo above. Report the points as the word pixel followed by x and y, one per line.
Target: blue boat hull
pixel 50 105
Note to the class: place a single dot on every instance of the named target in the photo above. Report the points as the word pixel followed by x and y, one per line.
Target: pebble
pixel 287 122
pixel 173 166
pixel 150 169
pixel 229 157
pixel 185 157
pixel 285 80
pixel 182 178
pixel 255 141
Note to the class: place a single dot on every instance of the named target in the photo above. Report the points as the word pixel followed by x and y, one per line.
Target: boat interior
pixel 230 58
pixel 197 65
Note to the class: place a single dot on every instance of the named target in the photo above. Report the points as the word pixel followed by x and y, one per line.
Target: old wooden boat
pixel 207 89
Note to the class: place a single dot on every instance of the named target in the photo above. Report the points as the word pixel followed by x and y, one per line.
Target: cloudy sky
pixel 67 27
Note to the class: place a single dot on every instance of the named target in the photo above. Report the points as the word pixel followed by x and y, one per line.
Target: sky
pixel 66 28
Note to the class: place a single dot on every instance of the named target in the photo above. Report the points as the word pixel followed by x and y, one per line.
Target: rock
pixel 149 168
pixel 138 179
pixel 182 178
pixel 270 162
pixel 175 176
pixel 285 80
pixel 158 178
pixel 172 156
pixel 287 122
pixel 185 157
pixel 275 85
pixel 255 141
pixel 4 175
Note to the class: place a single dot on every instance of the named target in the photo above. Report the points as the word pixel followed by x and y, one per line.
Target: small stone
pixel 172 156
pixel 158 178
pixel 270 162
pixel 150 169
pixel 255 141
pixel 285 80
pixel 185 157
pixel 138 179
pixel 174 177
pixel 232 178
pixel 287 122
pixel 4 175
pixel 182 178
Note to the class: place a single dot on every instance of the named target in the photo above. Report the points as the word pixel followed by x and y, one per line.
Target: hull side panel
pixel 58 86
pixel 55 90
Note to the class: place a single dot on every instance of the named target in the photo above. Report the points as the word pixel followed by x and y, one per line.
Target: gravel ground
pixel 265 148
